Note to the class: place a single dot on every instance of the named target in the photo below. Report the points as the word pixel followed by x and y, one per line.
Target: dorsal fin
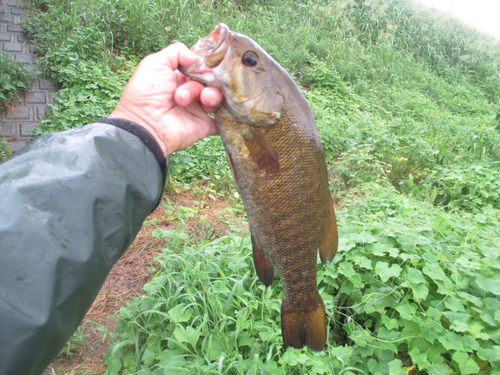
pixel 330 240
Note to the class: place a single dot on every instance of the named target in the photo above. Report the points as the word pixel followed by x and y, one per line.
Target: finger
pixel 180 78
pixel 174 55
pixel 211 99
pixel 188 93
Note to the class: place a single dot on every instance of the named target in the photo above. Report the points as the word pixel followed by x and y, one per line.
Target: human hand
pixel 160 98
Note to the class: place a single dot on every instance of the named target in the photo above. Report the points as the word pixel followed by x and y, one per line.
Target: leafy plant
pixel 404 289
pixel 4 150
pixel 13 76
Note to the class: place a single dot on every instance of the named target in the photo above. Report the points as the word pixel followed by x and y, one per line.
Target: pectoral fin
pixel 235 177
pixel 330 241
pixel 263 265
pixel 262 151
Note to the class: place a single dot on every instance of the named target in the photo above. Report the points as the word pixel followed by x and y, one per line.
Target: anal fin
pixel 263 265
pixel 330 241
pixel 301 327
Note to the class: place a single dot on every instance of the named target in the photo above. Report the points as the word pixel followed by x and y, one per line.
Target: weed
pixel 4 150
pixel 77 343
pixel 13 77
pixel 392 289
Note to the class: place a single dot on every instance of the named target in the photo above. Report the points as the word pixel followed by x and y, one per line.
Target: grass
pixel 408 110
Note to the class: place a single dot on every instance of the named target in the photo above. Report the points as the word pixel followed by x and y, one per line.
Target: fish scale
pixel 279 169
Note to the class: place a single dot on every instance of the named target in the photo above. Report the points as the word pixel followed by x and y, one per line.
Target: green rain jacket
pixel 70 205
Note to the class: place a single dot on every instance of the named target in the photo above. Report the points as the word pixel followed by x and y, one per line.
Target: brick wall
pixel 20 120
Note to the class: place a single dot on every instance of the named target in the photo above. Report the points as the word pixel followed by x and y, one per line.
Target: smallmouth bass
pixel 279 169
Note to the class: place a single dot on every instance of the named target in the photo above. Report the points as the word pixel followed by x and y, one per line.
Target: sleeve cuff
pixel 149 141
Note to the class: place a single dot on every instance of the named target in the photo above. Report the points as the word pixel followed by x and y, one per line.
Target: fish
pixel 279 169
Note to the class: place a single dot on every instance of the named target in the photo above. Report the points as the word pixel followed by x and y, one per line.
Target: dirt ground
pixel 124 282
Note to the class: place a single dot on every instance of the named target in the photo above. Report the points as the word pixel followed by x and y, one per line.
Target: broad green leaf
pixel 475 300
pixel 420 292
pixel 461 317
pixel 388 339
pixel 407 310
pixel 216 346
pixel 489 355
pixel 410 330
pixel 451 341
pixel 470 344
pixel 377 248
pixel 347 269
pixel 189 335
pixel 467 365
pixel 429 333
pixel 267 335
pixel 489 285
pixel 434 271
pixel 149 355
pixel 342 352
pixel 492 304
pixel 439 369
pixel 476 330
pixel 487 318
pixel 245 339
pixel 180 314
pixel 415 276
pixel 290 357
pixel 420 359
pixel 390 323
pixel 114 366
pixel 363 262
pixel 385 272
pixel 345 244
pixel 396 367
pixel 454 304
pixel 363 237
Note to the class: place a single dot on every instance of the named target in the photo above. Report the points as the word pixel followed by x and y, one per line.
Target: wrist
pixel 124 113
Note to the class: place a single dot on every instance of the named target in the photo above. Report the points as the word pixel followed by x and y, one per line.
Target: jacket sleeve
pixel 70 205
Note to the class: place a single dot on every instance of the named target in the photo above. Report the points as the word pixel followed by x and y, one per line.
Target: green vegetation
pixel 13 76
pixel 4 150
pixel 408 110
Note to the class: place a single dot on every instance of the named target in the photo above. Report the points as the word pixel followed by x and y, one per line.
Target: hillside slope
pixel 407 104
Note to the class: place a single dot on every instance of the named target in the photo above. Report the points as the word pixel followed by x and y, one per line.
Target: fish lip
pixel 212 49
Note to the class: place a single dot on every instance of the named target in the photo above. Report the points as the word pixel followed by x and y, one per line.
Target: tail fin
pixel 304 326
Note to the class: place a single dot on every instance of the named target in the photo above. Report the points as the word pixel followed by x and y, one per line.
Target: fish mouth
pixel 212 49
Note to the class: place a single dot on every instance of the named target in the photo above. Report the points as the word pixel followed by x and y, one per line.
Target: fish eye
pixel 249 59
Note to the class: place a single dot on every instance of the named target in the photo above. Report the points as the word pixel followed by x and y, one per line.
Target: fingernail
pixel 185 96
pixel 213 98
